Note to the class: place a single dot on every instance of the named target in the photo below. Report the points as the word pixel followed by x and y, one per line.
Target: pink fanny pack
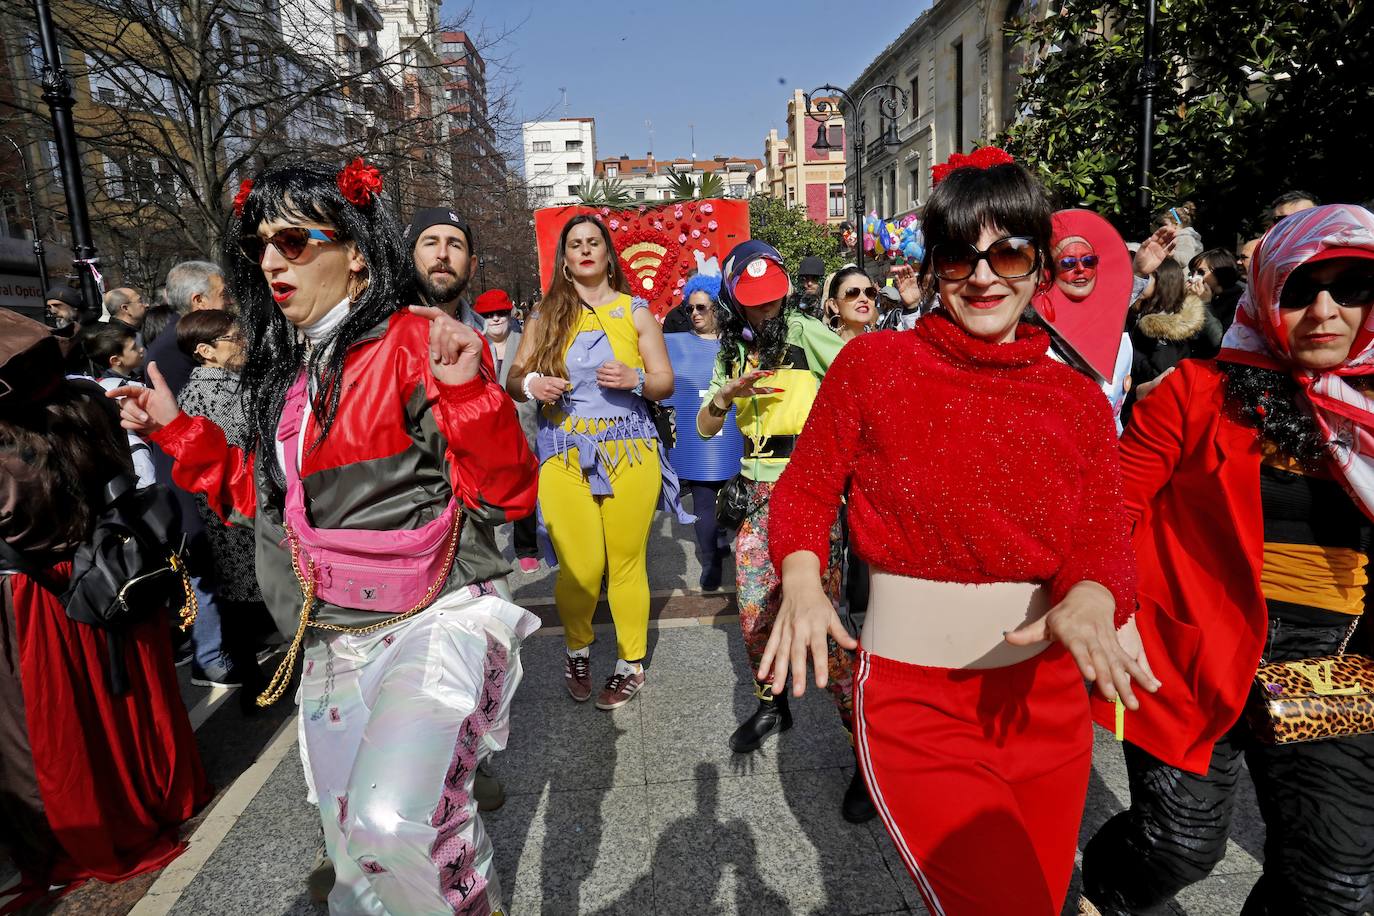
pixel 386 571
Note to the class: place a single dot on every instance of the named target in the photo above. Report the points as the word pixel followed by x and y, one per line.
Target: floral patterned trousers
pixel 759 595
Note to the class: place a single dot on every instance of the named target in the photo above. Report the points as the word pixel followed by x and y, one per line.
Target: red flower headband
pixel 982 158
pixel 360 183
pixel 241 197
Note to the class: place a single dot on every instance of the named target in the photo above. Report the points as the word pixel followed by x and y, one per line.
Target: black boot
pixel 771 716
pixel 857 807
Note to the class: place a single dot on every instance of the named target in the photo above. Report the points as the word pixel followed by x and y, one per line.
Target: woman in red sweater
pixel 1250 480
pixel 985 494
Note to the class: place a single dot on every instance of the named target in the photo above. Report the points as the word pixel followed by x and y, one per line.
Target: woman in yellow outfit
pixel 591 357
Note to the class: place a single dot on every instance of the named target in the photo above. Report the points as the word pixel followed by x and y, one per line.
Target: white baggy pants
pixel 393 725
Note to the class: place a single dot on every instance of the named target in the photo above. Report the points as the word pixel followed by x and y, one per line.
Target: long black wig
pixel 1271 402
pixel 309 192
pixel 769 342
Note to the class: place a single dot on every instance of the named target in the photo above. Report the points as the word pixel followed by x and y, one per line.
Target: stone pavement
pixel 643 810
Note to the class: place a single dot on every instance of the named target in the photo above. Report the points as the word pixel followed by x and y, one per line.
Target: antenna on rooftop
pixel 694 141
pixel 650 126
pixel 564 90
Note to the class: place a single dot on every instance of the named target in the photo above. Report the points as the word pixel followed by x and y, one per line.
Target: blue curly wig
pixel 702 283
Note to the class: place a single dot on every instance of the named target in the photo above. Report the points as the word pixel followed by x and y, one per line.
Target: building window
pixel 738 190
pixel 542 146
pixel 915 98
pixel 791 197
pixel 572 190
pixel 572 145
pixel 959 96
pixel 575 167
pixel 837 203
pixel 913 184
pixel 612 171
pixel 639 195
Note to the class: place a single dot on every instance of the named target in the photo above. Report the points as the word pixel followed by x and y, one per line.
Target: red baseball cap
pixel 492 302
pixel 754 275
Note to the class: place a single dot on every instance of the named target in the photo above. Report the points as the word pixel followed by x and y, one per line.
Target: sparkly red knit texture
pixel 965 461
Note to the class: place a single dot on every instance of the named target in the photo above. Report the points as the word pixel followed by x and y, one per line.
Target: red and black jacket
pixel 401 445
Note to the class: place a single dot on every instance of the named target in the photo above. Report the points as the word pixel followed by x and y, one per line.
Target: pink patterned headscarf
pixel 1344 414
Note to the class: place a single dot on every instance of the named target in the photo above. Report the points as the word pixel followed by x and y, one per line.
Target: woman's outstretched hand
pixel 804 621
pixel 1083 622
pixel 145 410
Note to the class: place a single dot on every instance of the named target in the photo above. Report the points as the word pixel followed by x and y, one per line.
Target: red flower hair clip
pixel 360 183
pixel 984 157
pixel 241 198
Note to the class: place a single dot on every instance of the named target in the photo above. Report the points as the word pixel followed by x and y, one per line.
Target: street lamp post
pixel 1149 79
pixel 832 100
pixel 57 92
pixel 40 256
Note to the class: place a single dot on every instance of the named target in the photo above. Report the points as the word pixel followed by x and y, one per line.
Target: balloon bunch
pixel 899 240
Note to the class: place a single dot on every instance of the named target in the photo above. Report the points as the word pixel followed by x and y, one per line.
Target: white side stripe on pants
pixel 861 744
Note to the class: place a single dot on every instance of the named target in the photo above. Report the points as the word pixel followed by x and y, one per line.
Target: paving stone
pixel 262 864
pixel 561 745
pixel 572 852
pixel 698 655
pixel 687 726
pixel 768 843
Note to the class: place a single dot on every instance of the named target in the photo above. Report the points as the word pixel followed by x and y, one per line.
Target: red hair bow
pixel 984 157
pixel 241 198
pixel 360 183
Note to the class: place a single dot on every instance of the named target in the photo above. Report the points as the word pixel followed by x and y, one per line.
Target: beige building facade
pixel 960 72
pixel 795 171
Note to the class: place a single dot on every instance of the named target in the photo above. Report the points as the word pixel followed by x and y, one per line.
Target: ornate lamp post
pixel 832 100
pixel 57 92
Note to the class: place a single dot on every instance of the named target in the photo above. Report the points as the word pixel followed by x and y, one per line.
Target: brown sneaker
pixel 578 676
pixel 619 690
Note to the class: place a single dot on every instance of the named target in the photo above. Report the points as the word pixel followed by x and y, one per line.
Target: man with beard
pixel 441 244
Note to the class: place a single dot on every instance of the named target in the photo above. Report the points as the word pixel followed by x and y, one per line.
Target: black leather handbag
pixel 130 567
pixel 735 503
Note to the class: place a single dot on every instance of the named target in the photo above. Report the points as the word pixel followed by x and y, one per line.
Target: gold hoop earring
pixel 357 285
pixel 567 274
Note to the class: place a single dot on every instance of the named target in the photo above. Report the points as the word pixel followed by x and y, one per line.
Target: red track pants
pixel 980 777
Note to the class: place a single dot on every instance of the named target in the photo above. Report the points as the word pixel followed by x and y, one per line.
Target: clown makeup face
pixel 1075 268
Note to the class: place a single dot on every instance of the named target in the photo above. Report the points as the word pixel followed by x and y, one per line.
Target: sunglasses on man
pixel 290 242
pixel 1010 258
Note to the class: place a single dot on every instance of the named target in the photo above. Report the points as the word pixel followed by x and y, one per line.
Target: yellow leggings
pixel 591 533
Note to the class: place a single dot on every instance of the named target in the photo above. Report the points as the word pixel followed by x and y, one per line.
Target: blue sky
pixel 726 67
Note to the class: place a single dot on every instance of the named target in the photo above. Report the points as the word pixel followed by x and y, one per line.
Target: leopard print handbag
pixel 1314 698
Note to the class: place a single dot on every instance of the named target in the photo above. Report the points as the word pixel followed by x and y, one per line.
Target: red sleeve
pixel 1153 444
pixel 204 462
pixel 807 497
pixel 1101 550
pixel 494 472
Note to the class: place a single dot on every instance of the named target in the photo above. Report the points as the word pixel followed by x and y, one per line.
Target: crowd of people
pixel 945 505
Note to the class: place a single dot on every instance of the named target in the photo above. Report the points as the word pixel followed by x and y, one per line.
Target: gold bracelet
pixel 715 411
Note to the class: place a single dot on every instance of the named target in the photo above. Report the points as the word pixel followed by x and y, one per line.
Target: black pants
pixel 526 537
pixel 713 542
pixel 1316 798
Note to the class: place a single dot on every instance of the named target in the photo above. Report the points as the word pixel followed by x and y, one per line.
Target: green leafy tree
pixel 790 231
pixel 1253 99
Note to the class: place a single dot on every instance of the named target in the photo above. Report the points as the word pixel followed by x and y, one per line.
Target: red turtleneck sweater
pixel 965 461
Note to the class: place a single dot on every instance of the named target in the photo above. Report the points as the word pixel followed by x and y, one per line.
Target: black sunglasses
pixel 854 292
pixel 1011 258
pixel 291 242
pixel 701 308
pixel 1353 287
